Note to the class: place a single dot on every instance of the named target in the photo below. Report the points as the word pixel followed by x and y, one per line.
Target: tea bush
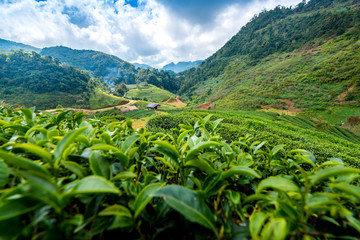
pixel 63 177
pixel 238 124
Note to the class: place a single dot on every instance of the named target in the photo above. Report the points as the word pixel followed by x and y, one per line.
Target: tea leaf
pixel 99 165
pixel 144 197
pixel 22 163
pixel 91 184
pixel 65 142
pixel 240 171
pixel 166 149
pixel 16 207
pixel 278 183
pixel 199 147
pixel 4 174
pixel 332 172
pixel 189 204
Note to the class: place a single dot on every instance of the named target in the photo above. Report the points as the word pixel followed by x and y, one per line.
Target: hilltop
pixel 29 79
pixel 305 58
pixel 10 45
pixel 181 66
pixel 112 69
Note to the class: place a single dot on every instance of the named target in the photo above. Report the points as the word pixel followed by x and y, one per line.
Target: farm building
pixel 128 109
pixel 153 106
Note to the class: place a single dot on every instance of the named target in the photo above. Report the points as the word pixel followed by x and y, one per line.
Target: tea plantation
pixel 63 177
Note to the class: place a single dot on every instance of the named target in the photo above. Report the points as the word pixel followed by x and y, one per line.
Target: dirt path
pixel 93 111
pixel 290 105
pixel 341 97
pixel 176 100
pixel 207 106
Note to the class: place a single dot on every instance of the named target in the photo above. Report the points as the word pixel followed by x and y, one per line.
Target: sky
pixel 154 32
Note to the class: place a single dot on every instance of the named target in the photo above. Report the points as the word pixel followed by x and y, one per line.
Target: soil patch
pixel 341 97
pixel 176 100
pixel 285 104
pixel 206 106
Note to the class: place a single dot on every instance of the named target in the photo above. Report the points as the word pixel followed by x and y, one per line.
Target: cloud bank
pixel 154 32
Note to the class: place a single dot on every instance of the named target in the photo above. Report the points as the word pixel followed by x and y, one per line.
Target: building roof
pixel 152 105
pixel 124 110
pixel 132 108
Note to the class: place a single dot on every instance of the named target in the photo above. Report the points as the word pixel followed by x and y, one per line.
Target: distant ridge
pixel 111 69
pixel 10 45
pixel 181 66
pixel 142 65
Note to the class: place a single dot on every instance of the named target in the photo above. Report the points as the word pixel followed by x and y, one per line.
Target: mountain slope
pixel 181 66
pixel 10 45
pixel 305 57
pixel 142 65
pixel 28 79
pixel 112 69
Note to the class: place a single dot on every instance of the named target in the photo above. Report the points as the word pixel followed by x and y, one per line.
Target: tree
pixel 120 89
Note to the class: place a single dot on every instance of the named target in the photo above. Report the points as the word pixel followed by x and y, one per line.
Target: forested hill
pixel 112 69
pixel 10 45
pixel 308 55
pixel 29 79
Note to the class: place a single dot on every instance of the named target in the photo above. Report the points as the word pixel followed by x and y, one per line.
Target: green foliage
pixel 64 177
pixel 101 99
pixel 99 64
pixel 120 89
pixel 148 93
pixel 295 132
pixel 28 79
pixel 10 45
pixel 308 55
pixel 112 69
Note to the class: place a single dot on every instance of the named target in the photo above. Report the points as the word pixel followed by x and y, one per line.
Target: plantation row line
pixel 237 124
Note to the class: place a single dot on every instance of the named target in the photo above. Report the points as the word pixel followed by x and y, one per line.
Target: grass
pixel 148 93
pixel 137 114
pixel 140 123
pixel 337 115
pixel 102 99
pixel 312 77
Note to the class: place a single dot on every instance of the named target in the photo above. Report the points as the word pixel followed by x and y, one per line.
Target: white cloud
pixel 150 33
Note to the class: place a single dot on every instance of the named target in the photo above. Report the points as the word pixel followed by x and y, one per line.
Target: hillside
pixel 112 69
pixel 305 58
pixel 28 79
pixel 10 45
pixel 292 132
pixel 181 66
pixel 148 92
pixel 142 65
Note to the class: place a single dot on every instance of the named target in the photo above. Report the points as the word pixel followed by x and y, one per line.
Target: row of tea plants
pixel 63 177
pixel 264 127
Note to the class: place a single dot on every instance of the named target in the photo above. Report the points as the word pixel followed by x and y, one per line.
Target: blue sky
pixel 154 32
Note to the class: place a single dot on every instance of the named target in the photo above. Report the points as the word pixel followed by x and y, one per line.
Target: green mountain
pixel 142 65
pixel 10 45
pixel 181 66
pixel 305 57
pixel 29 79
pixel 110 68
